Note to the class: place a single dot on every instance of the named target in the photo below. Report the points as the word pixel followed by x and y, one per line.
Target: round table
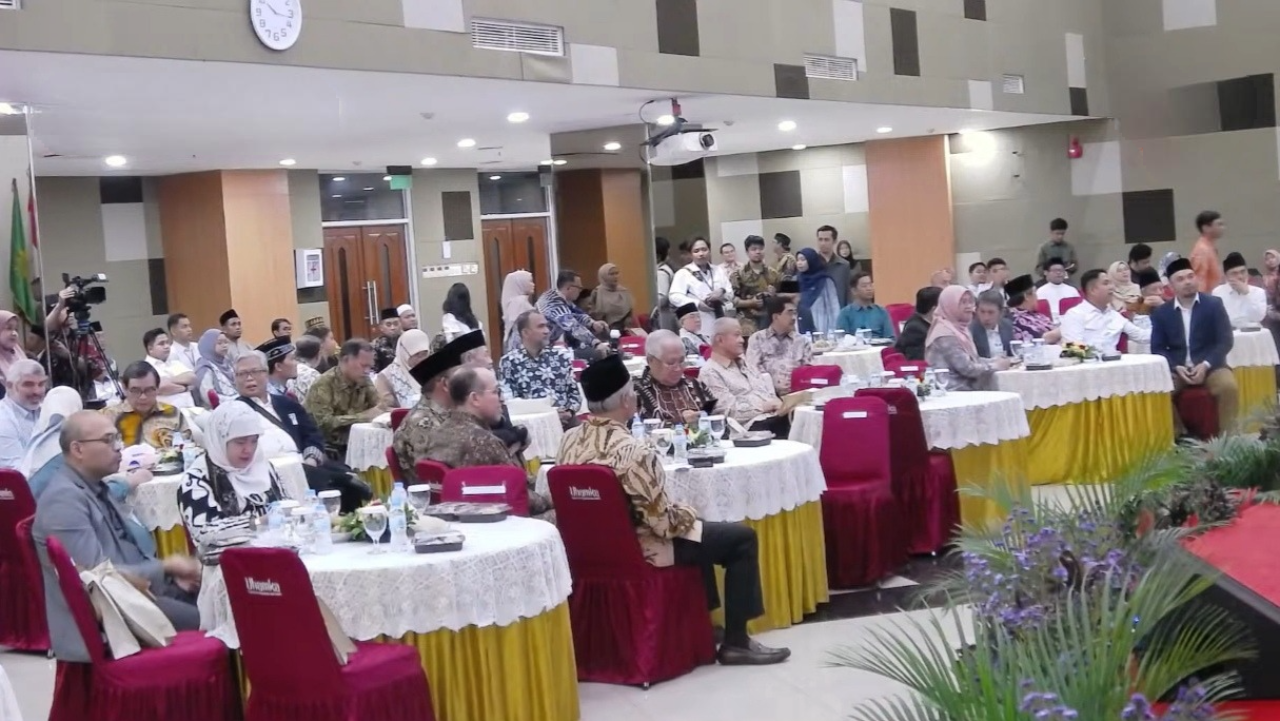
pixel 1252 360
pixel 545 432
pixel 861 363
pixel 1093 421
pixel 367 445
pixel 490 622
pixel 9 710
pixel 776 490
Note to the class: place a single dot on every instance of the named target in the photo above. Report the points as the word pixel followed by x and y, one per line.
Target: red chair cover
pixel 923 481
pixel 190 679
pixel 1198 410
pixel 865 536
pixel 808 377
pixel 643 321
pixel 888 351
pixel 397 417
pixel 633 623
pixel 1042 307
pixel 1122 345
pixel 900 313
pixel 1067 304
pixel 632 344
pixel 510 485
pixel 704 350
pixel 691 372
pixel 213 400
pixel 902 367
pixel 393 464
pixel 289 659
pixel 432 473
pixel 22 620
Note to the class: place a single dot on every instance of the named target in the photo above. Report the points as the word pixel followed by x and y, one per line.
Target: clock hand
pixel 273 9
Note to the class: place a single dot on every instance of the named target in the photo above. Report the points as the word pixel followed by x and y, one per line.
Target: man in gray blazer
pixel 992 332
pixel 77 509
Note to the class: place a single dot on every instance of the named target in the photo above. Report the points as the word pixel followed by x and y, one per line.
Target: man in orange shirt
pixel 1204 256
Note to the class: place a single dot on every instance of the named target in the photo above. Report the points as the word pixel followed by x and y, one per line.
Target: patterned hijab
pixel 228 422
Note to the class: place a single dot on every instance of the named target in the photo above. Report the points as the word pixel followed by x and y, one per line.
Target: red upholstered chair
pixel 902 367
pixel 866 538
pixel 924 481
pixel 888 350
pixel 22 622
pixel 289 659
pixel 488 484
pixel 704 350
pixel 1042 307
pixel 397 417
pixel 432 473
pixel 900 313
pixel 578 366
pixel 633 344
pixel 807 377
pixel 633 623
pixel 1199 411
pixel 691 372
pixel 189 679
pixel 213 400
pixel 1067 304
pixel 393 464
pixel 1122 344
pixel 642 320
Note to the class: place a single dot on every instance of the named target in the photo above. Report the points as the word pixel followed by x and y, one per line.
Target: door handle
pixel 368 303
pixel 375 315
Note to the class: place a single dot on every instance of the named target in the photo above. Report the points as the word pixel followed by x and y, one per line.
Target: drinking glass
pixel 332 502
pixel 942 374
pixel 717 426
pixel 662 441
pixel 375 524
pixel 420 496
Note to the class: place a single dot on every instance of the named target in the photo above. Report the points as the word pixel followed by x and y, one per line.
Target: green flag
pixel 24 304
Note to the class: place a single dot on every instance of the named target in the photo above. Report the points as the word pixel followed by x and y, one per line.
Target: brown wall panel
pixel 625 224
pixel 259 243
pixel 580 221
pixel 193 234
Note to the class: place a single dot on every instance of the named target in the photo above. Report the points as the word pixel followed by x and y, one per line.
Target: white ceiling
pixel 170 116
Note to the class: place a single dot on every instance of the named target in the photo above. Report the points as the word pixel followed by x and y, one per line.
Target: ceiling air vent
pixel 516 37
pixel 830 68
pixel 10 4
pixel 1013 85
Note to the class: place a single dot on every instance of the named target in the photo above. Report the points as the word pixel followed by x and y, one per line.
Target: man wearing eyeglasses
pixel 142 418
pixel 78 510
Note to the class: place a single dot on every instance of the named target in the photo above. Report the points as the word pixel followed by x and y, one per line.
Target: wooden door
pixel 386 267
pixel 366 269
pixel 511 245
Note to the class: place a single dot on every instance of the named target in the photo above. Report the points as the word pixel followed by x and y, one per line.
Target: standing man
pixel 533 370
pixel 569 322
pixel 779 350
pixel 978 278
pixel 1193 333
pixel 384 346
pixel 1139 259
pixel 729 259
pixel 281 328
pixel 1057 247
pixel 345 396
pixel 25 386
pixel 182 340
pixel 663 315
pixel 837 267
pixel 753 284
pixel 786 264
pixel 997 274
pixel 863 311
pixel 1055 290
pixel 1204 255
pixel 1246 304
pixel 176 379
pixel 234 329
pixel 1094 322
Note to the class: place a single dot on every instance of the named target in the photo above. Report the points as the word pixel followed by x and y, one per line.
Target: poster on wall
pixel 310 267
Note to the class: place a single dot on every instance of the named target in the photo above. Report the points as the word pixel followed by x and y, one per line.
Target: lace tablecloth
pixel 367 446
pixel 751 483
pixel 1087 381
pixel 860 363
pixel 956 420
pixel 155 502
pixel 505 572
pixel 545 432
pixel 1252 349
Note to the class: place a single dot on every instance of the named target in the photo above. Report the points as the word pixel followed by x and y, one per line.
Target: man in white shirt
pixel 176 379
pixel 1246 304
pixel 1056 289
pixel 978 278
pixel 182 336
pixel 1094 322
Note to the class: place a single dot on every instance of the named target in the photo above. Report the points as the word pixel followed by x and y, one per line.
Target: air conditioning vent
pixel 517 37
pixel 1013 85
pixel 10 4
pixel 830 68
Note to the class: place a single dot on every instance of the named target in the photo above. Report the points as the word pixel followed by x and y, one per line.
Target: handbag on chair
pixel 131 619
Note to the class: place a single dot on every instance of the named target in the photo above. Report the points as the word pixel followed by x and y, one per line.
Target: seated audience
pixel 517 294
pixel 308 354
pixel 950 346
pixel 536 371
pixel 76 509
pixel 281 328
pixel 213 370
pixel 182 345
pixel 1150 290
pixel 991 331
pixel 1028 322
pixel 176 380
pixel 25 384
pixel 863 313
pixel 778 350
pixel 741 392
pixel 344 396
pixel 978 278
pixel 669 533
pixel 328 348
pixel 395 383
pixel 408 317
pixel 11 350
pixel 1246 304
pixel 282 365
pixel 384 346
pixel 663 390
pixel 612 303
pixel 1193 333
pixel 432 411
pixel 998 275
pixel 1125 293
pixel 233 329
pixel 465 439
pixel 1055 289
pixel 516 437
pixel 1094 322
pixel 942 278
pixel 43 456
pixel 142 418
pixel 911 340
pixel 691 336
pixel 458 317
pixel 568 322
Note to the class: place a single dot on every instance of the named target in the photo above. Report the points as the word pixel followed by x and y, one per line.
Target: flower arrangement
pixel 353 523
pixel 1078 351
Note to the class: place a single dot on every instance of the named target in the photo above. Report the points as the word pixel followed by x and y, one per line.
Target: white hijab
pixel 58 405
pixel 237 420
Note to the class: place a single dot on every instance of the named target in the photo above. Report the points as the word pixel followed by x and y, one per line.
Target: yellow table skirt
pixel 171 542
pixel 793 567
pixel 987 467
pixel 1096 441
pixel 1257 395
pixel 380 479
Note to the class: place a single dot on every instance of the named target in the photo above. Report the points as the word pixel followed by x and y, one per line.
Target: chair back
pixel 287 651
pixel 31 577
pixel 432 473
pixel 76 598
pixel 704 350
pixel 1068 303
pixel 397 417
pixel 691 373
pixel 888 350
pixel 1122 345
pixel 809 377
pixel 595 520
pixel 900 313
pixel 488 484
pixel 908 447
pixel 633 344
pixel 866 419
pixel 213 400
pixel 393 464
pixel 16 505
pixel 1042 307
pixel 902 367
pixel 643 321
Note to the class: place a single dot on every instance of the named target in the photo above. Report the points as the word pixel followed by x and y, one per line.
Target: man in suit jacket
pixel 1193 333
pixel 916 329
pixel 992 332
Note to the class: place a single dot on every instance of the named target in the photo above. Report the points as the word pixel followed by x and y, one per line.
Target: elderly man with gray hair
pixel 663 391
pixel 25 385
pixel 742 393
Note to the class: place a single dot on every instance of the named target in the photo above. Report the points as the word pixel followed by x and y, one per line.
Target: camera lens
pixel 706 140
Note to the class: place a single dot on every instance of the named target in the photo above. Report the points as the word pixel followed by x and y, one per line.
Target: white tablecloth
pixel 1087 381
pixel 367 446
pixel 1251 350
pixel 545 432
pixel 861 363
pixel 752 482
pixel 9 710
pixel 155 502
pixel 505 572
pixel 956 420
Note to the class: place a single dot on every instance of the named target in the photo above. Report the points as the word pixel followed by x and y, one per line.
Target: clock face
pixel 277 23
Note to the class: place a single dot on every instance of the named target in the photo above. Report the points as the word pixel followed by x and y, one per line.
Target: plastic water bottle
pixel 321 528
pixel 704 423
pixel 680 442
pixel 398 521
pixel 275 522
pixel 637 428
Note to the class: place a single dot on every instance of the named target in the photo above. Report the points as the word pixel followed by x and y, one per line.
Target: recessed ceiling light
pixel 368 189
pixel 467 143
pixel 116 161
pixel 288 162
pixel 787 126
pixel 517 117
pixel 613 145
pixel 386 178
pixel 966 131
pixel 666 119
pixel 560 162
pixel 429 161
pixel 495 177
pixel 801 146
pixel 339 179
pixel 884 129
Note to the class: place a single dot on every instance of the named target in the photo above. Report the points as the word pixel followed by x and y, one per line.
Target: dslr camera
pixel 85 296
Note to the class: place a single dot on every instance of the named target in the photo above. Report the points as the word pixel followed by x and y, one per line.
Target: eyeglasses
pixel 111 441
pixel 138 392
pixel 244 375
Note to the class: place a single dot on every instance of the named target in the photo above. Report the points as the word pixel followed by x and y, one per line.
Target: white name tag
pixel 910 369
pixel 293 418
pixel 854 414
pixel 818 381
pixel 483 490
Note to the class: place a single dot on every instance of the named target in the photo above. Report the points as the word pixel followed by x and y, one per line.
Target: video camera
pixel 85 296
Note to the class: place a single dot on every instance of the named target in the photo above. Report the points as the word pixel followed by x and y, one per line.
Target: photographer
pixel 74 360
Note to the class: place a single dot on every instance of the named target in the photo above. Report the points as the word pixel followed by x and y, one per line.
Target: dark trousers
pixel 733 547
pixel 779 425
pixel 333 475
pixel 178 606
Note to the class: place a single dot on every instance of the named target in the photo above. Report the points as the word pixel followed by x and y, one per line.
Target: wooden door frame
pixel 410 254
pixel 553 250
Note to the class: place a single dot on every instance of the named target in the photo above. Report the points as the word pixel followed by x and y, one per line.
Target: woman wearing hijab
pixel 950 346
pixel 1125 294
pixel 10 344
pixel 213 370
pixel 44 456
pixel 703 284
pixel 230 484
pixel 819 308
pixel 517 289
pixel 458 316
pixel 613 304
pixel 395 384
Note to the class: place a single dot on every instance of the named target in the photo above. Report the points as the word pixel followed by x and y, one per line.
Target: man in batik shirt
pixel 752 284
pixel 432 411
pixel 779 350
pixel 384 346
pixel 663 391
pixel 532 370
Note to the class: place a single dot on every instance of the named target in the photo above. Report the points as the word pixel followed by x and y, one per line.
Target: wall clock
pixel 277 23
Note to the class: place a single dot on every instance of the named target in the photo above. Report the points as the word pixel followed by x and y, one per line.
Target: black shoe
pixel 753 655
pixel 717 634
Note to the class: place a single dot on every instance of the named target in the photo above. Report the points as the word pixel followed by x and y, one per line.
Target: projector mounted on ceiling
pixel 680 142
